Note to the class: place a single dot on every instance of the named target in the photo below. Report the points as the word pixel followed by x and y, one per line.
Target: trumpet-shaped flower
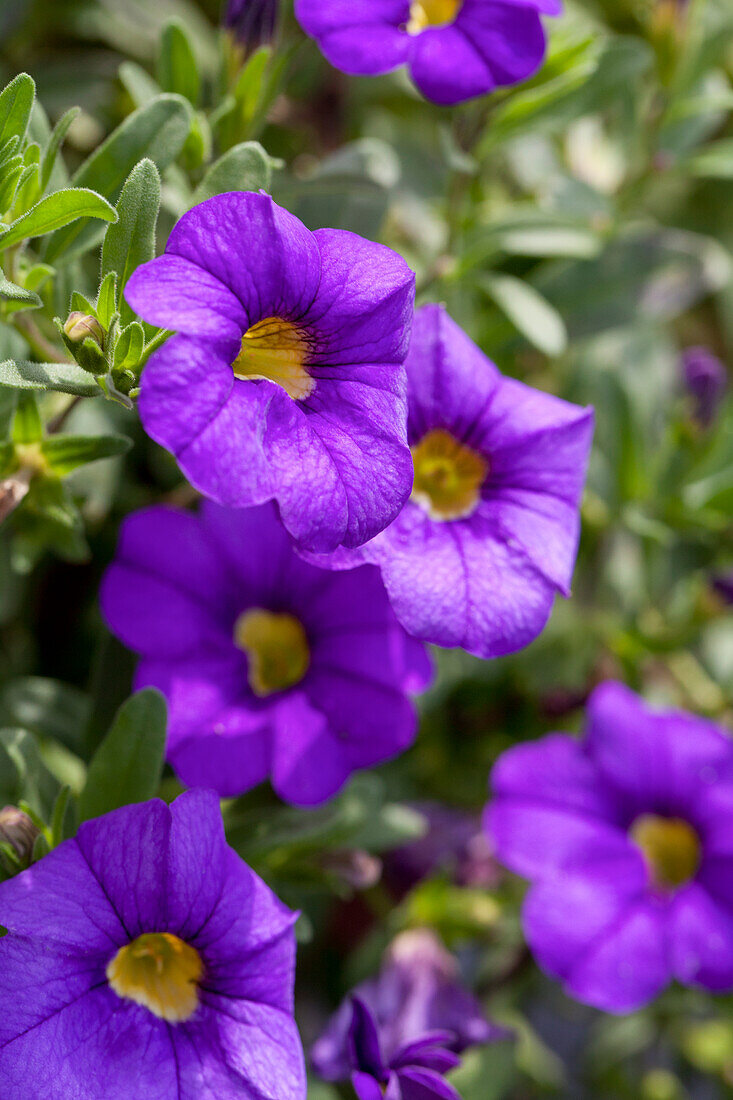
pixel 270 666
pixel 286 380
pixel 144 958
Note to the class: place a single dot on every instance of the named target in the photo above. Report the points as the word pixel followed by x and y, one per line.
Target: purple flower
pixel 455 49
pixel 405 1028
pixel 270 666
pixel 144 958
pixel 706 381
pixel 627 837
pixel 287 381
pixel 491 531
pixel 723 585
pixel 252 21
pixel 417 993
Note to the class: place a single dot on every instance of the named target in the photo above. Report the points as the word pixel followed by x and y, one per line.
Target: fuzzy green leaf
pixel 16 104
pixel 64 377
pixel 16 293
pixel 245 167
pixel 131 241
pixel 177 67
pixel 158 131
pixel 57 210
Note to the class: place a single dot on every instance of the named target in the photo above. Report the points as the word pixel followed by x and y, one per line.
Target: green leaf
pixel 23 775
pixel 131 241
pixel 158 131
pixel 63 377
pixel 177 66
pixel 129 347
pixel 16 104
pixel 49 708
pixel 529 312
pixel 128 764
pixel 9 184
pixel 60 131
pixel 58 816
pixel 27 424
pixel 65 453
pixel 138 84
pixel 714 162
pixel 107 299
pixel 16 293
pixel 57 210
pixel 245 167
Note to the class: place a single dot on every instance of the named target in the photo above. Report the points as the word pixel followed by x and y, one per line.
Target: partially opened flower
pixel 490 534
pixel 270 666
pixel 417 994
pixel 455 49
pixel 145 959
pixel 253 22
pixel 286 381
pixel 627 837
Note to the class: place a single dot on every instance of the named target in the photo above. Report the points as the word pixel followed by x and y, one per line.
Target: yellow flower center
pixel 277 351
pixel 448 476
pixel 277 648
pixel 160 972
pixel 671 848
pixel 432 13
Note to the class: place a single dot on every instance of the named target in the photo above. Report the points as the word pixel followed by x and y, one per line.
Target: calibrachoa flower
pixel 491 531
pixel 287 381
pixel 145 959
pixel 252 21
pixel 269 665
pixel 706 380
pixel 417 992
pixel 455 49
pixel 627 837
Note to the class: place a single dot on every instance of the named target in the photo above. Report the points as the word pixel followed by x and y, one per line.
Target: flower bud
pixel 253 22
pixel 17 830
pixel 80 325
pixel 705 379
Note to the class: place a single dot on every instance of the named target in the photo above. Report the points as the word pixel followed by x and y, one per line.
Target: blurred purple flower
pixel 627 837
pixel 253 21
pixel 455 49
pixel 145 959
pixel 454 843
pixel 723 585
pixel 418 995
pixel 287 379
pixel 490 534
pixel 270 667
pixel 706 380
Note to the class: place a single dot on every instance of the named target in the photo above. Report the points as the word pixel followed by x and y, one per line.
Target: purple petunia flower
pixel 287 381
pixel 253 21
pixel 491 531
pixel 270 666
pixel 706 380
pixel 455 49
pixel 417 993
pixel 145 959
pixel 627 837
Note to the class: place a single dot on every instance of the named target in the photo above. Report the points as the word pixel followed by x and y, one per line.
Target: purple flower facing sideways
pixel 270 667
pixel 145 959
pixel 454 49
pixel 252 21
pixel 706 380
pixel 286 380
pixel 627 837
pixel 405 1028
pixel 490 534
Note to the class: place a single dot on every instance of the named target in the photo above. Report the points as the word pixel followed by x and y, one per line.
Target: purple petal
pixel 425 1084
pixel 701 939
pixel 180 295
pixel 663 761
pixel 363 311
pixel 365 1087
pixel 364 1041
pixel 362 37
pixel 609 947
pixel 309 761
pixel 263 254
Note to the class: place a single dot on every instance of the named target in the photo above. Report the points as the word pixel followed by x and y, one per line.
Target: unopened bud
pixel 17 830
pixel 80 325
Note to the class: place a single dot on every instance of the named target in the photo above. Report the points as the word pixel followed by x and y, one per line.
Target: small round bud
pixel 17 830
pixel 80 325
